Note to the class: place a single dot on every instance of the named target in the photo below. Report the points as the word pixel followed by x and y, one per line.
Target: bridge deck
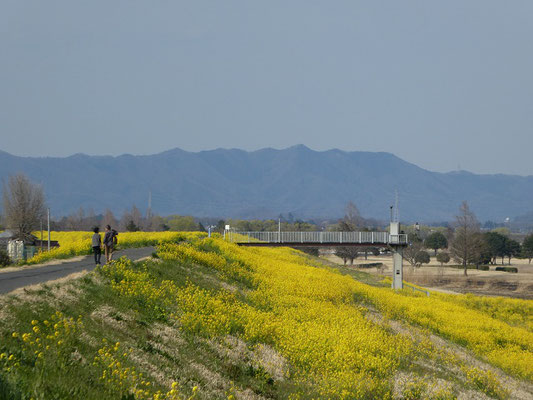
pixel 323 239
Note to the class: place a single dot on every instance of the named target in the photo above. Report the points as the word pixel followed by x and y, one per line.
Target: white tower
pixel 397 255
pixel 396 242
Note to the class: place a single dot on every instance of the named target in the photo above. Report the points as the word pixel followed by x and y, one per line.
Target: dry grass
pixel 452 280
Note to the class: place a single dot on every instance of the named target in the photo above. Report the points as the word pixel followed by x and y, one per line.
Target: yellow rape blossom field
pixel 207 319
pixel 79 243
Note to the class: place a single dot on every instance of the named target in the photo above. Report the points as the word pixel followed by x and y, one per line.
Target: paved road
pixel 30 276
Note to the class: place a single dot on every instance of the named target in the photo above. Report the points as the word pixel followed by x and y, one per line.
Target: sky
pixel 445 85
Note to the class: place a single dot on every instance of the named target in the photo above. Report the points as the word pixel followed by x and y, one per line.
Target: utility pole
pixel 149 211
pixel 279 229
pixel 48 220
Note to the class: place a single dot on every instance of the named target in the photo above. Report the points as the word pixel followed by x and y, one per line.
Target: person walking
pixel 97 245
pixel 109 242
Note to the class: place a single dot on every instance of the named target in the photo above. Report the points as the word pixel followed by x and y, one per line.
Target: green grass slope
pixel 208 320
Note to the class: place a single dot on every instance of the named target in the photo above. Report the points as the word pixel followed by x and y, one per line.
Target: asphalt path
pixel 10 281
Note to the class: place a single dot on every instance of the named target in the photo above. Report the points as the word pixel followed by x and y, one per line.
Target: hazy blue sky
pixel 441 84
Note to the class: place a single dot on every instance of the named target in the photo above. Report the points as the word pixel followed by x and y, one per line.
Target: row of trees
pixel 464 241
pixel 24 209
pixel 468 245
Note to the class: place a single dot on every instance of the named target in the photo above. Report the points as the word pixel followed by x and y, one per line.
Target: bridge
pixel 316 239
pixel 394 239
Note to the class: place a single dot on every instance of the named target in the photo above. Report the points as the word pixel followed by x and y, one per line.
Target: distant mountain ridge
pixel 267 182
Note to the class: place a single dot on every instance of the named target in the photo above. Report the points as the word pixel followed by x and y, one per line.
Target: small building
pixel 5 237
pixel 23 249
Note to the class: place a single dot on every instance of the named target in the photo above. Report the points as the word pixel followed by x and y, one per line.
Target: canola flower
pixel 121 379
pixel 52 342
pixel 79 243
pixel 49 340
pixel 285 280
pixel 309 316
pixel 313 316
pixel 503 345
pixel 515 312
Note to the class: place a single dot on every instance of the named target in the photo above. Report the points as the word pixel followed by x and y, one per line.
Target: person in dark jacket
pixel 110 240
pixel 97 245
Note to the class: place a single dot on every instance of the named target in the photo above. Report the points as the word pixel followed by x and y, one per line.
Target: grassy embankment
pixel 211 320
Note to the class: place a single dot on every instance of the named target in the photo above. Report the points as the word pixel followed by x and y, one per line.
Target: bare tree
pixel 467 244
pixel 132 221
pixel 91 220
pixel 24 205
pixel 76 220
pixel 137 217
pixel 410 253
pixel 352 218
pixel 109 219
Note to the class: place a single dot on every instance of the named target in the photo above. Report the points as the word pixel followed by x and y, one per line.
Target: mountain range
pixel 264 183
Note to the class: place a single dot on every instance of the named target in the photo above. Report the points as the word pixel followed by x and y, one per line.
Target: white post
pixel 279 229
pixel 397 258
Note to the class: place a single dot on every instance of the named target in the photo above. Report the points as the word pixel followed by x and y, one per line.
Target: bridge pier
pixel 397 256
pixel 397 269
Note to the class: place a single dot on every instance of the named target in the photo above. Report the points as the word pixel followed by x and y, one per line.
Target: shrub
pixel 443 258
pixel 507 269
pixel 4 258
pixel 422 257
pixel 370 265
pixel 469 266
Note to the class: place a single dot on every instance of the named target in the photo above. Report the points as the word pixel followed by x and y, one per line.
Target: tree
pixel 109 219
pixel 467 243
pixel 24 205
pixel 158 223
pixel 131 227
pixel 352 218
pixel 527 247
pixel 410 252
pixel 347 253
pixel 4 258
pixel 182 223
pixel 137 217
pixel 422 257
pixel 132 221
pixel 436 241
pixel 373 250
pixel 443 258
pixel 513 249
pixel 221 225
pixel 496 245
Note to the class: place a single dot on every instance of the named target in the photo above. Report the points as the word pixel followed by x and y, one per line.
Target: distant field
pixel 491 283
pixel 210 320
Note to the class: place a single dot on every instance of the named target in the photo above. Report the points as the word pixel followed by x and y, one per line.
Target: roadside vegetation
pixel 207 319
